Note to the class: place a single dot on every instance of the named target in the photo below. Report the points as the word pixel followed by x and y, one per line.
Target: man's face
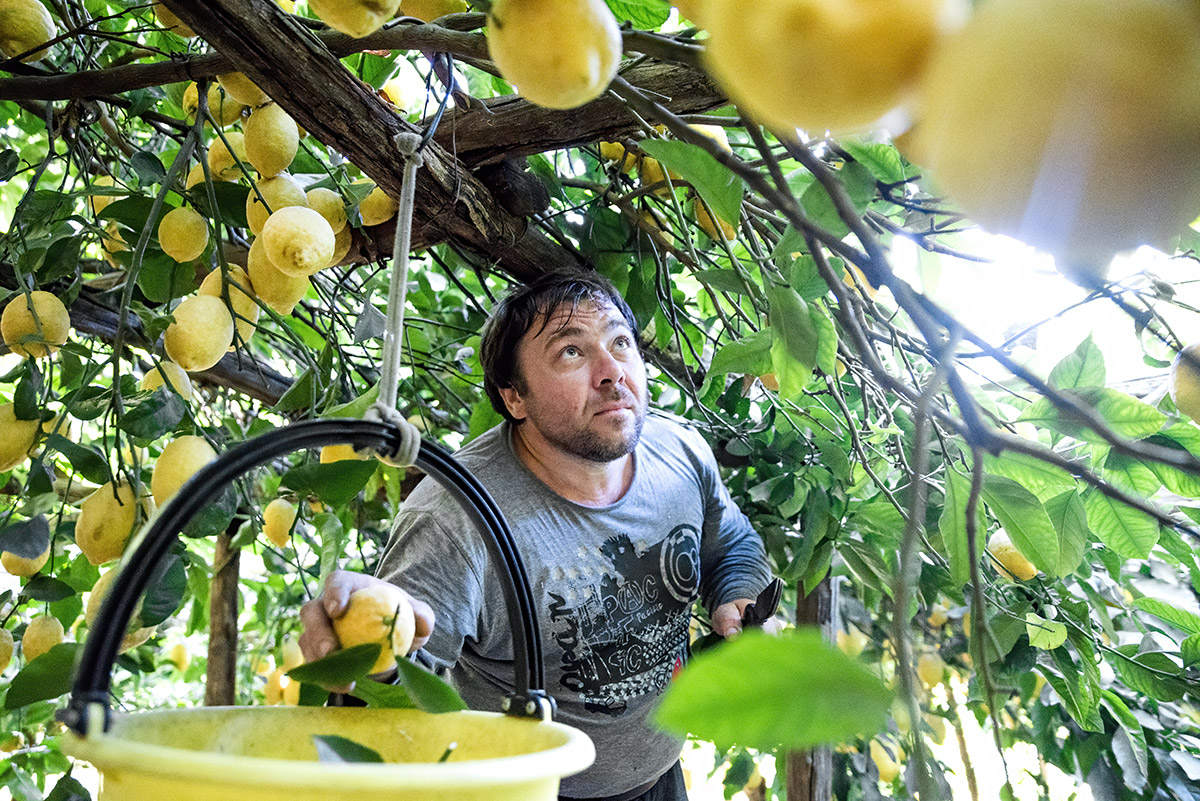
pixel 582 386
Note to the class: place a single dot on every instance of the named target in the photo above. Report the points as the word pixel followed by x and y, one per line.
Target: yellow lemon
pixel 278 518
pixel 242 306
pixel 889 768
pixel 819 64
pixel 273 692
pixel 279 192
pixel 6 648
pixel 195 176
pixel 280 291
pixel 1013 563
pixel 1069 124
pixel 293 657
pixel 272 139
pixel 242 89
pixel 930 670
pixel 852 642
pixel 168 374
pixel 223 108
pixel 717 229
pixel 328 204
pixel 298 241
pixel 181 458
pixel 42 634
pixel 937 616
pixel 34 325
pixel 429 10
pixel 16 437
pixel 717 133
pixel 556 53
pixel 342 241
pixel 339 453
pixel 24 24
pixel 133 636
pixel 183 234
pixel 98 203
pixel 615 152
pixel 223 158
pixel 1185 382
pixel 354 18
pixel 651 173
pixel 379 614
pixel 23 567
pixel 937 725
pixel 167 18
pixel 201 334
pixel 179 656
pixel 377 206
pixel 106 520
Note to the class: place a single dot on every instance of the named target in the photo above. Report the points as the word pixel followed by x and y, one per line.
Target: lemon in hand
pixel 378 614
pixel 557 53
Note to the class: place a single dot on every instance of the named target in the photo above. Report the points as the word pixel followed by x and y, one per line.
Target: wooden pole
pixel 810 773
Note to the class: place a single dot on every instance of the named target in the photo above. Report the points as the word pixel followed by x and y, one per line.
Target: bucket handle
pixel 93 679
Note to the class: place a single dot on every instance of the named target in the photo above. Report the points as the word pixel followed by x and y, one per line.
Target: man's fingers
pixel 425 619
pixel 318 639
pixel 727 619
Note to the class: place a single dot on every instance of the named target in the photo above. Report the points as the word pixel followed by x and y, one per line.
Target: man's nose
pixel 607 369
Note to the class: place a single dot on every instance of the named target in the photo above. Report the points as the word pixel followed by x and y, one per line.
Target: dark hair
pixel 525 306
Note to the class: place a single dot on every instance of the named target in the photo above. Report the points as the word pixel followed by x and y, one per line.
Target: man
pixel 621 520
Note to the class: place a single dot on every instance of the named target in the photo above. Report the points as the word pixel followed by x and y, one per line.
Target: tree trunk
pixel 810 773
pixel 221 687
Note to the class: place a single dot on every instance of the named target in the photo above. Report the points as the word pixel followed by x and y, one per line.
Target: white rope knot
pixel 406 453
pixel 409 145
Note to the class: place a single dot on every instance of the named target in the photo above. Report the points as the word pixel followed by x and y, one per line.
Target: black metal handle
pixel 93 674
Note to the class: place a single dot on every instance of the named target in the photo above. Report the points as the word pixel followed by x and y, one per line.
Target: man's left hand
pixel 727 619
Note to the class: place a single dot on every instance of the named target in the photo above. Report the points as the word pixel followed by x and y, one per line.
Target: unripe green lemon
pixel 24 24
pixel 171 375
pixel 42 634
pixel 183 234
pixel 272 139
pixel 377 207
pixel 242 306
pixel 221 156
pixel 280 291
pixel 34 325
pixel 23 567
pixel 278 518
pixel 328 204
pixel 180 459
pixel 379 614
pixel 298 241
pixel 201 334
pixel 106 522
pixel 354 18
pixel 242 89
pixel 279 192
pixel 556 53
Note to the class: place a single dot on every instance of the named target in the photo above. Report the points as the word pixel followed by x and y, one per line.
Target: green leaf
pixel 953 526
pixel 818 205
pixel 231 202
pixel 1127 531
pixel 335 483
pixel 747 356
pixel 428 692
pixel 1184 438
pixel 382 696
pixel 722 280
pixel 1083 367
pixel 760 691
pixel 148 168
pixel 44 678
pixel 9 162
pixel 154 415
pixel 1185 621
pixel 1076 689
pixel 88 462
pixel 214 518
pixel 1043 480
pixel 720 188
pixel 1189 651
pixel 356 408
pixel 69 789
pixel 165 590
pixel 1043 633
pixel 47 589
pixel 162 278
pixel 340 667
pixel 1151 673
pixel 794 344
pixel 27 539
pixel 882 160
pixel 1125 415
pixel 1069 517
pixel 827 339
pixel 1027 523
pixel 644 14
pixel 484 417
pixel 1130 474
pixel 332 748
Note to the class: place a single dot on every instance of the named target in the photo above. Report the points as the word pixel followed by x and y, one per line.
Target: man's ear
pixel 513 402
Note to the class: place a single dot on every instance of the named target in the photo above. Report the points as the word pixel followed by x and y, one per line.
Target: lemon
pixel 293 657
pixel 242 306
pixel 937 616
pixel 272 139
pixel 556 53
pixel 291 691
pixel 380 614
pixel 42 634
pixel 937 726
pixel 930 670
pixel 1013 563
pixel 278 518
pixel 167 18
pixel 196 176
pixel 20 566
pixel 34 325
pixel 105 522
pixel 1185 382
pixel 223 108
pixel 273 692
pixel 1069 124
pixel 342 241
pixel 201 334
pixel 16 437
pixel 354 18
pixel 223 158
pixel 429 10
pixel 852 642
pixel 298 241
pixel 171 375
pixel 889 768
pixel 820 64
pixel 279 192
pixel 651 173
pixel 615 152
pixel 183 234
pixel 181 458
pixel 280 291
pixel 98 203
pixel 179 656
pixel 24 24
pixel 716 228
pixel 133 636
pixel 328 204
pixel 6 648
pixel 339 453
pixel 377 206
pixel 242 89
pixel 717 133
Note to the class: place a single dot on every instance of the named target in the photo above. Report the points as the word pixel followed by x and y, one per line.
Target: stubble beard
pixel 595 446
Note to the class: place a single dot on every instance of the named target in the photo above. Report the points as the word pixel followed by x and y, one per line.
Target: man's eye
pixel 622 342
pixel 570 350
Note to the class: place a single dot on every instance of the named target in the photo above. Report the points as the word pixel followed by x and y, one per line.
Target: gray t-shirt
pixel 613 588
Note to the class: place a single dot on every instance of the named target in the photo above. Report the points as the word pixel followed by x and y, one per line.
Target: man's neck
pixel 577 479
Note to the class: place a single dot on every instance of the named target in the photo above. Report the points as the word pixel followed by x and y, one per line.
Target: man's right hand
pixel 319 640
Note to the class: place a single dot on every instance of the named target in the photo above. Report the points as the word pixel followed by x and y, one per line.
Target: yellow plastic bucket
pixel 268 754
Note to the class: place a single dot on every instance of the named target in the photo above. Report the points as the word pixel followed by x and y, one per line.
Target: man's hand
pixel 727 619
pixel 318 639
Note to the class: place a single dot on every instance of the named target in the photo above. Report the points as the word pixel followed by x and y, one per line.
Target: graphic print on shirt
pixel 623 635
